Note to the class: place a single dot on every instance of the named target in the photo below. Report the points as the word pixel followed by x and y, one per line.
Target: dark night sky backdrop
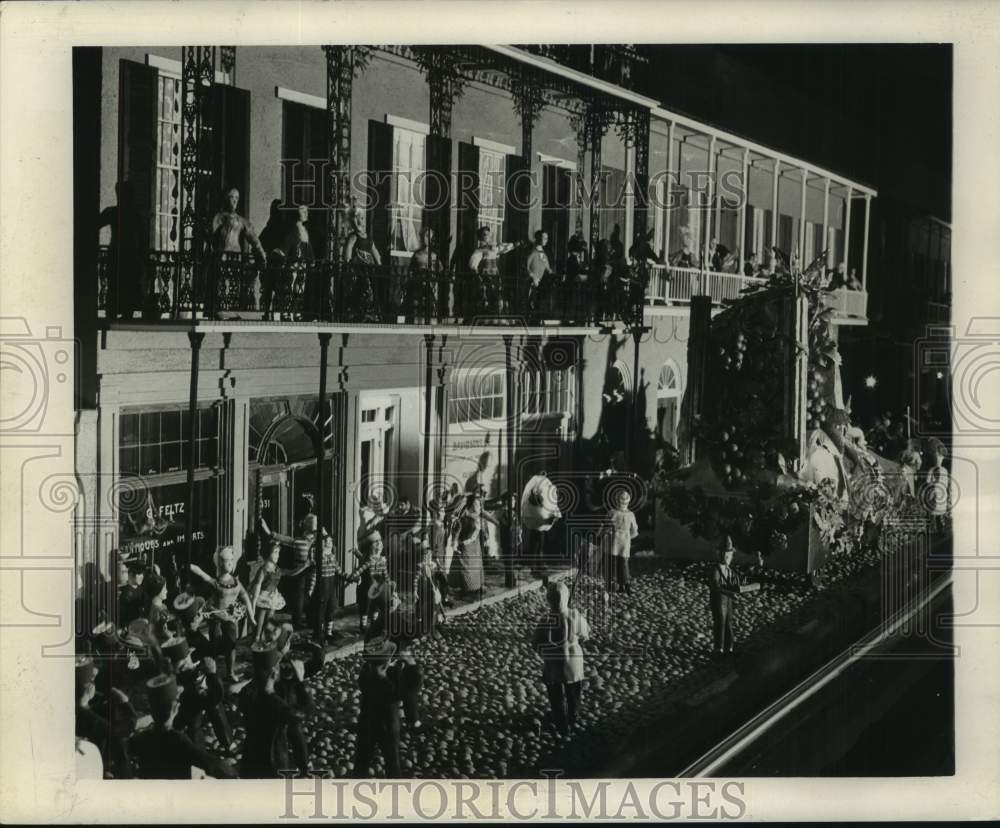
pixel 877 113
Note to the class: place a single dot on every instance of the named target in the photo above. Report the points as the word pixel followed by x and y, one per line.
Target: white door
pixel 378 445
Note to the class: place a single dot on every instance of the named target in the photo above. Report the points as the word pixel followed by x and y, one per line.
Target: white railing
pixel 670 285
pixel 851 304
pixel 676 285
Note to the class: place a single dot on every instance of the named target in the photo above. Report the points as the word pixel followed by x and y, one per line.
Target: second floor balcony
pixel 668 285
pixel 165 286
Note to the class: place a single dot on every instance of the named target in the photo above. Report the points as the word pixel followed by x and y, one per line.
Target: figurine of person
pixel 723 587
pixel 539 274
pixel 418 295
pixel 362 255
pixel 557 640
pixel 265 576
pixel 624 529
pixel 485 264
pixel 229 594
pixel 937 489
pixel 233 237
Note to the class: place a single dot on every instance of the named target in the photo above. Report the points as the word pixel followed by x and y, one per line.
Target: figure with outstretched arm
pixel 231 600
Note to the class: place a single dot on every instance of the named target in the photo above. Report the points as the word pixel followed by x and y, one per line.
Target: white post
pixel 802 223
pixel 847 234
pixel 742 232
pixel 668 192
pixel 774 204
pixel 864 249
pixel 826 221
pixel 711 197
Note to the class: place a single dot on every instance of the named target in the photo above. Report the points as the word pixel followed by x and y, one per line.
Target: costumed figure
pixel 230 601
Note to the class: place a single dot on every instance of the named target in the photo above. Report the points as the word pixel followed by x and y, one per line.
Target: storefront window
pixel 155 442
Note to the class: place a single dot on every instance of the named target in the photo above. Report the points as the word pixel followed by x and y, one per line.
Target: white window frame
pixel 547 391
pixel 463 405
pixel 492 165
pixel 410 209
pixel 167 71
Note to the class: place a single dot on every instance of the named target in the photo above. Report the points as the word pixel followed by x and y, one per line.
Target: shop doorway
pixel 378 447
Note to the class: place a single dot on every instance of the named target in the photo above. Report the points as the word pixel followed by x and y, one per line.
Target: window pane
pixel 130 460
pixel 129 429
pixel 149 428
pixel 150 459
pixel 172 457
pixel 170 426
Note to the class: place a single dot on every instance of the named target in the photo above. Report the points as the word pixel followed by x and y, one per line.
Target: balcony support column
pixel 340 65
pixel 802 222
pixel 706 256
pixel 323 496
pixel 595 133
pixel 847 232
pixel 195 338
pixel 668 193
pixel 425 470
pixel 510 580
pixel 864 246
pixel 640 202
pixel 826 222
pixel 774 209
pixel 197 81
pixel 743 209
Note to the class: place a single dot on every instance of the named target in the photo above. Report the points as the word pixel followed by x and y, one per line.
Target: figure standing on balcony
pixel 363 257
pixel 577 275
pixel 125 271
pixel 271 239
pixel 418 294
pixel 485 263
pixel 232 239
pixel 539 276
pixel 297 252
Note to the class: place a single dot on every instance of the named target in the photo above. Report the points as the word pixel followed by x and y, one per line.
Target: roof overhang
pixel 704 129
pixel 582 78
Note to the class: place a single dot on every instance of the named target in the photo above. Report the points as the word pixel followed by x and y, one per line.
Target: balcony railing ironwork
pixel 232 286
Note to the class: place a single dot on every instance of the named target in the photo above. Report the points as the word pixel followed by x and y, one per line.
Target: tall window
pixel 409 154
pixel 476 396
pixel 492 191
pixel 668 398
pixel 155 442
pixel 166 218
pixel 548 390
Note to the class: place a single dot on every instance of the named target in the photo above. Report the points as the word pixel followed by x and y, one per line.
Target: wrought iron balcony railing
pixel 163 286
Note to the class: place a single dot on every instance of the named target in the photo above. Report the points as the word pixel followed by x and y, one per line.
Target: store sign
pixel 157 529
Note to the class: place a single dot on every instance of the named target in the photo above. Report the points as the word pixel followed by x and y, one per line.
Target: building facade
pixel 217 387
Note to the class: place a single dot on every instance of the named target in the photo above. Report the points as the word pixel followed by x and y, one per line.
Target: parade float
pixel 773 459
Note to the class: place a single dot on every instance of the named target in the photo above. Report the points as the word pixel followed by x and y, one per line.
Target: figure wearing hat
pixel 161 751
pixel 937 492
pixel 723 586
pixel 372 560
pixel 110 734
pixel 203 693
pixel 324 589
pixel 229 594
pixel 267 717
pixel 290 685
pixel 131 596
pixel 191 614
pixel 427 591
pixel 378 722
